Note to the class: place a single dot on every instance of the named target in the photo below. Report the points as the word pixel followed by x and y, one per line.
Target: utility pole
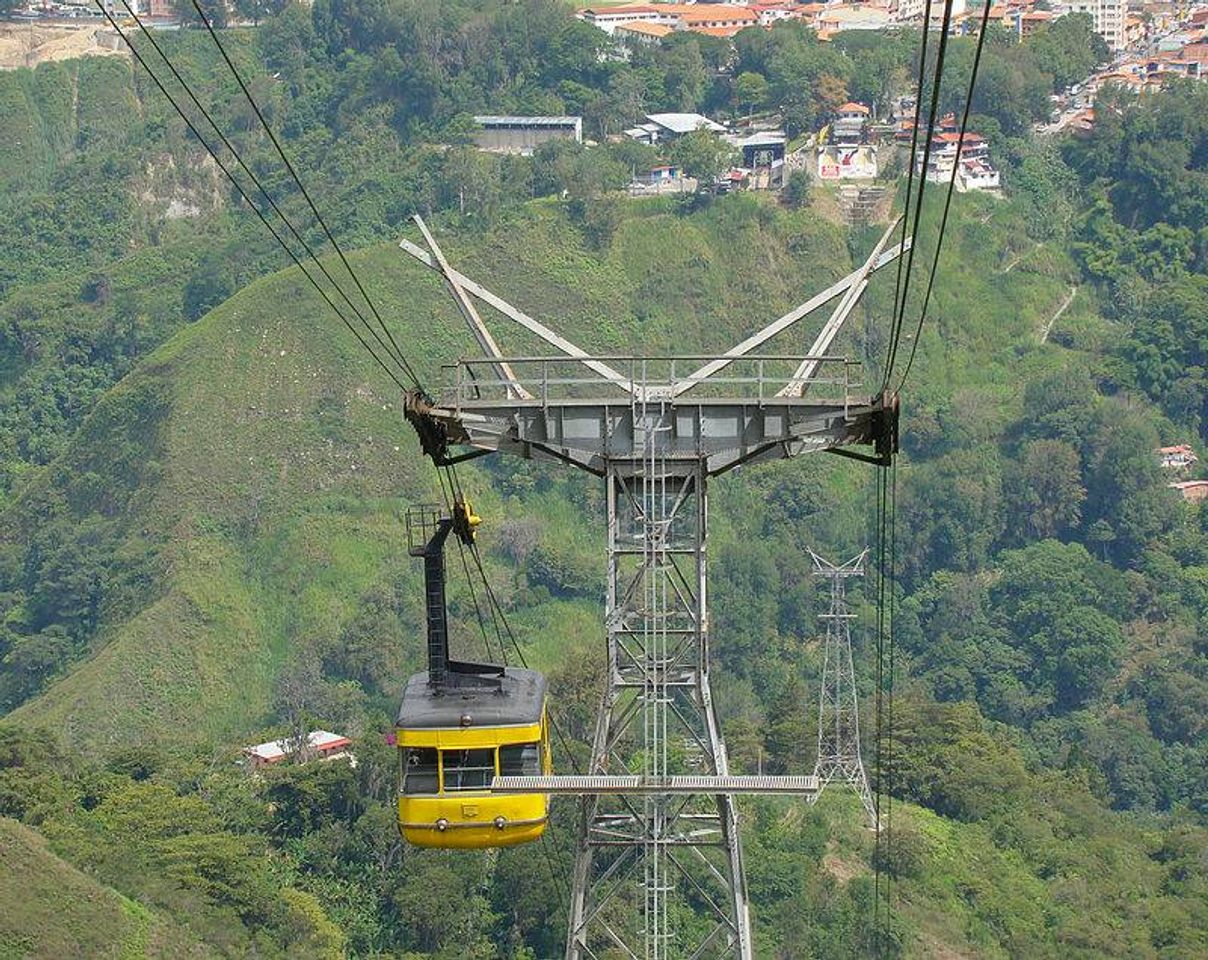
pixel 839 759
pixel 656 843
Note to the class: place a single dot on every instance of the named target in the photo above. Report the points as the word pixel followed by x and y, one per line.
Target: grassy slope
pixel 50 909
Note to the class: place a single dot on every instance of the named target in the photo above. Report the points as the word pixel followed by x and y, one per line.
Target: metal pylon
pixel 839 759
pixel 658 868
pixel 638 854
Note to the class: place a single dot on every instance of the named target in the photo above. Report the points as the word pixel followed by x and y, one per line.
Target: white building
pixel 1109 18
pixel 976 175
pixel 662 127
pixel 320 745
pixel 909 10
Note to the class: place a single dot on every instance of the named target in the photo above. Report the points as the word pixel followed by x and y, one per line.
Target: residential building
pixel 1107 17
pixel 320 745
pixel 609 18
pixel 720 19
pixel 1032 20
pixel 911 10
pixel 660 180
pixel 770 13
pixel 1178 457
pixel 837 17
pixel 1193 491
pixel 973 174
pixel 973 168
pixel 850 123
pixel 663 127
pixel 642 31
pixel 714 16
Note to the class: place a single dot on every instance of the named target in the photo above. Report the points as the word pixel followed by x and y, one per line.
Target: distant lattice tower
pixel 839 759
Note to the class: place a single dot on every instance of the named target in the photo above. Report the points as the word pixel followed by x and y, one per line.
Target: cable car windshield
pixel 468 769
pixel 419 770
pixel 520 760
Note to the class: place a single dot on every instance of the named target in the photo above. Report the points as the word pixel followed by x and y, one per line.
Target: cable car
pixel 462 724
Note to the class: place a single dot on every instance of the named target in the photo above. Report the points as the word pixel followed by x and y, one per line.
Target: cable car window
pixel 419 770
pixel 520 760
pixel 468 769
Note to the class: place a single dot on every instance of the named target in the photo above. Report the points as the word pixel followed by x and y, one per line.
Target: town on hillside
pixel 850 146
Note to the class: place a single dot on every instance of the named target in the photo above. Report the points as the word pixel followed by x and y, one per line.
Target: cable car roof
pixel 520 701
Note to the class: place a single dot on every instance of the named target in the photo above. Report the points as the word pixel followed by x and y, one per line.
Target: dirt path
pixel 1048 327
pixel 1014 263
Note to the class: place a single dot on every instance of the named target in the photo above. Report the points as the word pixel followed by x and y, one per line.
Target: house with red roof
pixel 1178 457
pixel 319 745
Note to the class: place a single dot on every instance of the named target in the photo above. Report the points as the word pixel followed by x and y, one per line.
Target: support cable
pixel 453 490
pixel 890 756
pixel 878 854
pixel 243 193
pixel 960 144
pixel 894 330
pixel 936 83
pixel 264 191
pixel 302 189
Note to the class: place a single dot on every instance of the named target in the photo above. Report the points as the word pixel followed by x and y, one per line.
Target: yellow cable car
pixel 453 744
pixel 462 724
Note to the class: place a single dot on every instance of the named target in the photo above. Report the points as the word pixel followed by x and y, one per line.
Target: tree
pixel 686 75
pixel 215 12
pixel 751 90
pixel 797 188
pixel 1045 490
pixel 257 10
pixel 209 285
pixel 702 154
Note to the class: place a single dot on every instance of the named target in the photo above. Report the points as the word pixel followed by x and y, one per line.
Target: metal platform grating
pixel 632 784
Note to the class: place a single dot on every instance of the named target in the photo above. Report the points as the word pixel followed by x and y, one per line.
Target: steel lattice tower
pixel 658 868
pixel 839 759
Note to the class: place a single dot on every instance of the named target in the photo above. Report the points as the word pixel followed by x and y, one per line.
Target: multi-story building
pixel 1108 17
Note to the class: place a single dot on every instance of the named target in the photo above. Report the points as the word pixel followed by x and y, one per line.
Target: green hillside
pixel 49 909
pixel 203 477
pixel 240 544
pixel 246 543
pixel 239 495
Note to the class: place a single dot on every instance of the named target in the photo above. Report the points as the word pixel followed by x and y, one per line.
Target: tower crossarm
pixel 721 432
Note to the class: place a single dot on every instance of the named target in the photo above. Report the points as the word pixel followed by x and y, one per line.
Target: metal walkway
pixel 681 785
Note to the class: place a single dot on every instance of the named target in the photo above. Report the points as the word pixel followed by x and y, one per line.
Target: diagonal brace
pixel 503 369
pixel 461 281
pixel 783 323
pixel 809 366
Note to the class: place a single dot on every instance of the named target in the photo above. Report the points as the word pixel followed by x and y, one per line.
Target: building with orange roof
pixel 716 19
pixel 770 13
pixel 712 15
pixel 609 18
pixel 724 32
pixel 642 31
pixel 1177 457
pixel 1193 491
pixel 1032 20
